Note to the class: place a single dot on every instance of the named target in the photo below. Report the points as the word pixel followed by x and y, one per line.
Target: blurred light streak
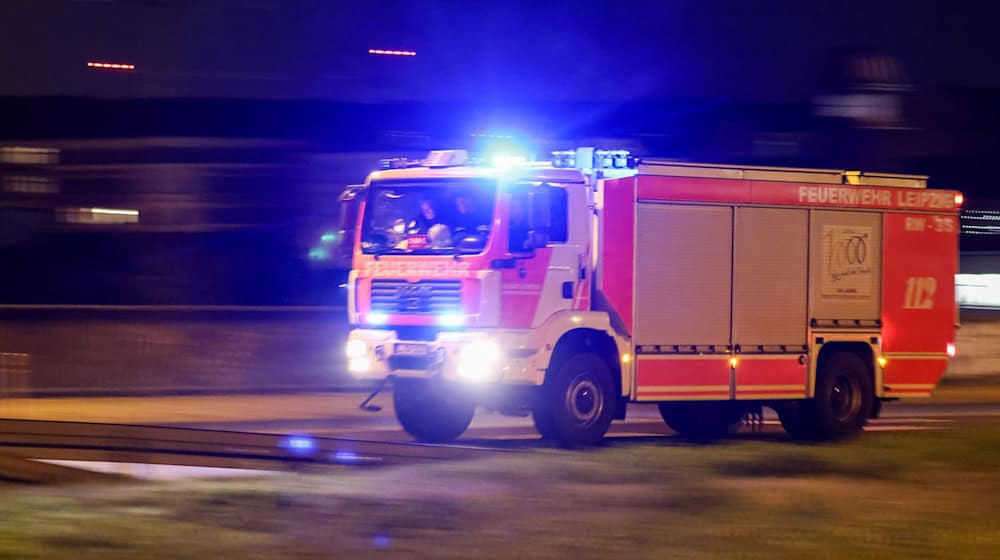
pixel 97 216
pixel 391 52
pixel 978 290
pixel 346 457
pixel 299 444
pixel 114 212
pixel 110 65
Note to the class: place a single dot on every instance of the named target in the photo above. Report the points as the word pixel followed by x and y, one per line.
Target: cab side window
pixel 518 226
pixel 559 233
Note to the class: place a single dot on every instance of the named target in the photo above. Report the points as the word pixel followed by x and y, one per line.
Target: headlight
pixel 377 319
pixel 479 360
pixel 451 320
pixel 359 365
pixel 356 349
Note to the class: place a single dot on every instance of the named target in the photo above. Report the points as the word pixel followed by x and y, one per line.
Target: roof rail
pixel 787 174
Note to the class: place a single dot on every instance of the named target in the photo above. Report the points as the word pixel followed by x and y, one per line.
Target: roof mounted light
pixel 590 158
pixel 612 159
pixel 564 158
pixel 394 163
pixel 447 158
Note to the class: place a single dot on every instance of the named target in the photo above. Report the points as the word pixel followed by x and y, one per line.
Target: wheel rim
pixel 845 398
pixel 583 400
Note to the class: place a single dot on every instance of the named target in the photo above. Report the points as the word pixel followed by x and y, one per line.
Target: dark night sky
pixel 778 50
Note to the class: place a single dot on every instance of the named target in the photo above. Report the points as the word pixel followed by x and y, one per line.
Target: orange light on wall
pixel 110 66
pixel 391 52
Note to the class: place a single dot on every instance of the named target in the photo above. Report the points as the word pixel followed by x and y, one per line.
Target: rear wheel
pixel 430 412
pixel 799 420
pixel 701 421
pixel 578 402
pixel 843 403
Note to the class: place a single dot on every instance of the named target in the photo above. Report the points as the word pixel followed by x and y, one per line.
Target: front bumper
pixel 460 356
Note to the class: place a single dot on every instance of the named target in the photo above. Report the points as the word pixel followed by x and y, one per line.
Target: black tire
pixel 431 413
pixel 542 417
pixel 579 401
pixel 844 401
pixel 844 396
pixel 799 421
pixel 702 421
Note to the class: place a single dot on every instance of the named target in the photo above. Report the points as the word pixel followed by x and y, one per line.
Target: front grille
pixel 424 296
pixel 423 334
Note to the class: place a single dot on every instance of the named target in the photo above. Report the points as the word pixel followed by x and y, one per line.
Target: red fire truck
pixel 571 288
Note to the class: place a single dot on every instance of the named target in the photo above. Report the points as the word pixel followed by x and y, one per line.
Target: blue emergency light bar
pixel 590 158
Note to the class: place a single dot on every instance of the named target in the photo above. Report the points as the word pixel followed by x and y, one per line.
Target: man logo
pixel 413 297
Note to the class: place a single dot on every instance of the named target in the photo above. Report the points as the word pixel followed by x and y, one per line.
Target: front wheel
pixel 431 413
pixel 579 402
pixel 541 415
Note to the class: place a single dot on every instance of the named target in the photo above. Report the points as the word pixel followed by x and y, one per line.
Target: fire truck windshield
pixel 429 217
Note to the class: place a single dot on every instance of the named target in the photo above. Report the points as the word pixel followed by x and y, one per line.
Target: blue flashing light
pixel 318 254
pixel 344 456
pixel 299 444
pixel 505 161
pixel 330 237
pixel 381 541
pixel 503 149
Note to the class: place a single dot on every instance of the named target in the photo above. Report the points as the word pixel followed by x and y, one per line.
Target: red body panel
pixel 913 377
pixel 757 376
pixel 654 187
pixel 617 265
pixel 918 292
pixel 918 295
pixel 705 377
pixel 850 196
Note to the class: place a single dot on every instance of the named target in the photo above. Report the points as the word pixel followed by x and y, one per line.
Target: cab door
pixel 547 242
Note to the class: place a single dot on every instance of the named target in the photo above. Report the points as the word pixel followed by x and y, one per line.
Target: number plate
pixel 408 349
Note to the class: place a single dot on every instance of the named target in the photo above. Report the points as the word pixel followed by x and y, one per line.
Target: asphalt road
pixel 337 415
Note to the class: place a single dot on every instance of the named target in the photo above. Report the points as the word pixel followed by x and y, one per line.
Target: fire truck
pixel 569 289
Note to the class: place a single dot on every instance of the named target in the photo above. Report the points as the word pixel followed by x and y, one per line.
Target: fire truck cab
pixel 568 289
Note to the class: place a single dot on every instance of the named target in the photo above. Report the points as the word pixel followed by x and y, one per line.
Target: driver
pixel 425 219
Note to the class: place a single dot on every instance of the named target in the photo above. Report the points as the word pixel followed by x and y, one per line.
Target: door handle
pixel 567 290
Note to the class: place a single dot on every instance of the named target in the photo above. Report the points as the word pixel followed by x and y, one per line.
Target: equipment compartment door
pixel 683 283
pixel 770 275
pixel 683 275
pixel 846 266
